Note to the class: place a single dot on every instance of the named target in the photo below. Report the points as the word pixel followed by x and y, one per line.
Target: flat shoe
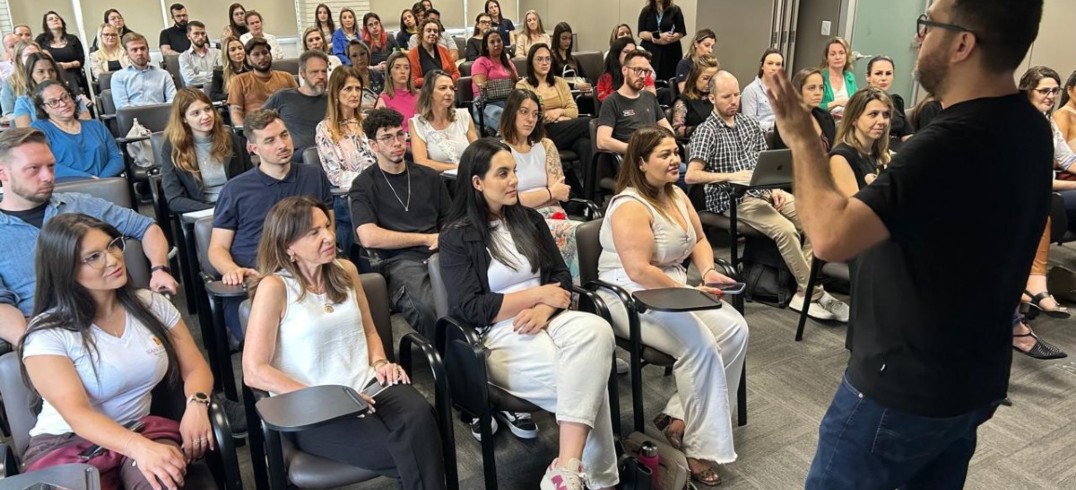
pixel 706 478
pixel 663 423
pixel 1042 350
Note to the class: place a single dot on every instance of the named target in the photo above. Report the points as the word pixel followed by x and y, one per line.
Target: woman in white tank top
pixel 309 325
pixel 648 233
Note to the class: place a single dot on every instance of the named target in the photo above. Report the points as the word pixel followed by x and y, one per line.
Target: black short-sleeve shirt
pixel 176 38
pixel 376 198
pixel 862 165
pixel 965 203
pixel 626 115
pixel 245 200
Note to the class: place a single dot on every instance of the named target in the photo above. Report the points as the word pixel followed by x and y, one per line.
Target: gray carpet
pixel 1027 446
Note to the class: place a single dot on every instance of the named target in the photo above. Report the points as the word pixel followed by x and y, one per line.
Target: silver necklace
pixel 407 207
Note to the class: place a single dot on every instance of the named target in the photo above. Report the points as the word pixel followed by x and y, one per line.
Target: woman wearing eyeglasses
pixel 94 351
pixel 474 43
pixel 83 149
pixel 111 56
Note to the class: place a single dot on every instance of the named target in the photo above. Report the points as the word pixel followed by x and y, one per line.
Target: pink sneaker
pixel 559 478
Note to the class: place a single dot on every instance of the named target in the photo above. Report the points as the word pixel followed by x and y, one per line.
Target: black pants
pixel 411 292
pixel 400 440
pixel 574 135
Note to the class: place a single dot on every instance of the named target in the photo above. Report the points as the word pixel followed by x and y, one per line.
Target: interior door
pixel 785 21
pixel 888 28
pixel 744 30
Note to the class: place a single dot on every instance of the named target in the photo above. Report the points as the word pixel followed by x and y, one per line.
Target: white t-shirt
pixel 127 367
pixel 445 145
pixel 274 46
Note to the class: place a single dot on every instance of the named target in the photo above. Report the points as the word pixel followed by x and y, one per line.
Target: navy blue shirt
pixel 245 201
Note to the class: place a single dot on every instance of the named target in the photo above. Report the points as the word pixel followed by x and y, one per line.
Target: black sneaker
pixel 237 417
pixel 476 430
pixel 520 424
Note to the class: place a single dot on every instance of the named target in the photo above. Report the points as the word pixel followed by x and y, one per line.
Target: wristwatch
pixel 164 268
pixel 199 398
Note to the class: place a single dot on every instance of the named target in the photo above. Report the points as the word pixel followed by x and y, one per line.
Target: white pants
pixel 710 347
pixel 565 370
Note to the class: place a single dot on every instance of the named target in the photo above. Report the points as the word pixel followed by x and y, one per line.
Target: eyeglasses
pixel 923 22
pixel 638 70
pixel 105 34
pixel 96 260
pixel 1048 91
pixel 59 101
pixel 529 114
pixel 543 59
pixel 389 138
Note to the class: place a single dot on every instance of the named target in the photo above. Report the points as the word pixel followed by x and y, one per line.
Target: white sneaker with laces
pixel 558 478
pixel 837 307
pixel 816 311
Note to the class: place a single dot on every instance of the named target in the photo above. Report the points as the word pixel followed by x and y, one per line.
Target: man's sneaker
pixel 622 366
pixel 557 478
pixel 833 305
pixel 237 417
pixel 816 311
pixel 476 430
pixel 520 424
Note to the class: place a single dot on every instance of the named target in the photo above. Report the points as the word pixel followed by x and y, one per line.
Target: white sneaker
pixel 557 478
pixel 837 307
pixel 622 366
pixel 816 311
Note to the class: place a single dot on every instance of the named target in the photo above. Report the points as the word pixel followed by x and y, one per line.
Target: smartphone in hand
pixel 728 287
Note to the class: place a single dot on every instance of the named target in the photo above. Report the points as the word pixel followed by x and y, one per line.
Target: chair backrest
pixel 157 141
pixel 521 66
pixel 203 230
pixel 105 105
pixel 465 67
pixel 771 139
pixel 104 82
pixel 290 65
pixel 592 63
pixel 464 92
pixel 461 44
pixel 311 157
pixel 674 89
pixel 20 418
pixel 377 295
pixel 437 283
pixel 171 65
pixel 154 117
pixel 589 249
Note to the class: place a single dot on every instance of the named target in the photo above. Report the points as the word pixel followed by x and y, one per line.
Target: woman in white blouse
pixel 440 131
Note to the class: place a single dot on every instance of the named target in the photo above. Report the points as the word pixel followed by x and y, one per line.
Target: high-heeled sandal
pixel 664 423
pixel 1036 302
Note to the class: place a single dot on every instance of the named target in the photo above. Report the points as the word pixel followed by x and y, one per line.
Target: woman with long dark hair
pixel 95 349
pixel 504 275
pixel 66 49
pixel 323 20
pixel 38 68
pixel 499 23
pixel 755 103
pixel 649 232
pixel 661 26
pixel 492 72
pixel 1065 115
pixel 473 48
pixel 115 19
pixel 237 20
pixel 613 77
pixel 408 28
pixel 310 325
pixel 880 75
pixel 199 155
pixel 565 65
pixel 809 83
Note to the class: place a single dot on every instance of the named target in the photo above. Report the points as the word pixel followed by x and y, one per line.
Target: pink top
pixel 402 102
pixel 493 70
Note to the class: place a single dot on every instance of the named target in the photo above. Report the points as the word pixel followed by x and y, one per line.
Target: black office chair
pixel 220 469
pixel 465 67
pixel 170 63
pixel 837 270
pixel 521 66
pixel 465 364
pixel 599 178
pixel 591 62
pixel 586 237
pixel 290 65
pixel 211 295
pixel 467 99
pixel 288 466
pixel 153 117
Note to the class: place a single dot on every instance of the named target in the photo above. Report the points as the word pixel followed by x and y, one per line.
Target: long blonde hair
pixel 333 115
pixel 424 107
pixel 101 44
pixel 390 86
pixel 228 72
pixel 857 105
pixel 179 133
pixel 18 77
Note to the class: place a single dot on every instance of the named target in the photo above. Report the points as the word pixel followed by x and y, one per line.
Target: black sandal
pixel 663 422
pixel 1042 350
pixel 1036 300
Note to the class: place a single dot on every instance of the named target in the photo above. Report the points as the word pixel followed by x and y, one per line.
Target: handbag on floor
pixel 672 475
pixel 1061 282
pixel 767 276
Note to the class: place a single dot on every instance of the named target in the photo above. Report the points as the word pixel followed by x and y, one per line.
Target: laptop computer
pixel 774 169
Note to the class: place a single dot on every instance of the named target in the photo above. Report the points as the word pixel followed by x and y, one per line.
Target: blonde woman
pixel 235 64
pixel 532 33
pixel 400 93
pixel 439 130
pixel 862 147
pixel 17 84
pixel 838 77
pixel 314 38
pixel 110 56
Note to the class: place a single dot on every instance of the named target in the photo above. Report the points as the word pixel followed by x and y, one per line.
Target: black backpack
pixel 768 279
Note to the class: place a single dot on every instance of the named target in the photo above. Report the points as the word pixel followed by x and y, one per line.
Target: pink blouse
pixel 403 102
pixel 493 70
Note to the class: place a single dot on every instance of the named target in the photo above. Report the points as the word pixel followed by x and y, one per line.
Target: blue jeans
pixel 492 115
pixel 863 445
pixel 345 234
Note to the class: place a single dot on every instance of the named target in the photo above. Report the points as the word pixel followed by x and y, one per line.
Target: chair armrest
pixel 106 117
pixel 126 140
pixel 450 326
pixel 594 303
pixel 309 407
pixel 222 430
pixel 465 365
pixel 442 398
pixel 8 465
pixel 618 291
pixel 726 268
pixel 594 211
pixel 221 290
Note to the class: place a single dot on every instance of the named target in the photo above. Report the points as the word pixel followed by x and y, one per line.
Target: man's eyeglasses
pixel 96 260
pixel 1048 91
pixel 638 71
pixel 59 101
pixel 923 22
pixel 389 138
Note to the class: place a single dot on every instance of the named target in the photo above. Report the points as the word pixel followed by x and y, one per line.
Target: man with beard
pixel 630 107
pixel 932 316
pixel 196 64
pixel 398 209
pixel 304 107
pixel 174 39
pixel 249 91
pixel 140 83
pixel 725 148
pixel 27 172
pixel 245 200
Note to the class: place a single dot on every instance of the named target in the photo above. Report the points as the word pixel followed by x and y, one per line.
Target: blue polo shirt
pixel 18 240
pixel 246 199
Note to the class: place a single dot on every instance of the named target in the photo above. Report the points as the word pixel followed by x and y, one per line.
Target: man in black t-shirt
pixel 932 314
pixel 174 40
pixel 630 107
pixel 397 209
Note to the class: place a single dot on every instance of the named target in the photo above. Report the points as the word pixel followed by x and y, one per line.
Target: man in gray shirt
pixel 304 107
pixel 630 107
pixel 196 64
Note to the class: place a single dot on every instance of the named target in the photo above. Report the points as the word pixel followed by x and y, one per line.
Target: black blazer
pixel 465 265
pixel 184 193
